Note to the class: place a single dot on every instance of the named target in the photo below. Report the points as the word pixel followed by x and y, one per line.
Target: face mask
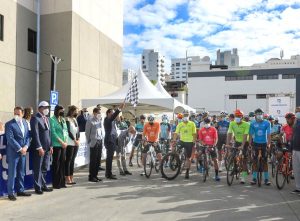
pixel 207 125
pixel 17 118
pixel 46 111
pixel 298 115
pixel 99 116
pixel 165 121
pixel 85 114
pixel 62 114
pixel 151 122
pixel 251 118
pixel 259 117
pixel 237 119
pixel 185 119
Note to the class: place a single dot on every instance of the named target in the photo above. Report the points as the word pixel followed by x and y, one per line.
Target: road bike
pixel 284 169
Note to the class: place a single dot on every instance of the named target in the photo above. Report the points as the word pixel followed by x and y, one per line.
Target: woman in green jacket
pixel 59 137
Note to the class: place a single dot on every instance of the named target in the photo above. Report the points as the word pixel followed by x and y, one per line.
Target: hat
pixel 44 104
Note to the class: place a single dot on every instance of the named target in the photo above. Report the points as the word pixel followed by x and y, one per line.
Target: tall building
pixel 128 75
pixel 231 59
pixel 87 35
pixel 153 65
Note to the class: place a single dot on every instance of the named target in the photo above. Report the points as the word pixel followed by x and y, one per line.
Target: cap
pixel 44 104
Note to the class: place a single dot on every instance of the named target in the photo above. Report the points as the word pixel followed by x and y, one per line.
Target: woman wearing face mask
pixel 73 143
pixel 59 137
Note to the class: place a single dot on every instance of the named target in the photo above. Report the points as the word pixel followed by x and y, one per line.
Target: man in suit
pixel 110 139
pixel 41 146
pixel 94 136
pixel 17 136
pixel 82 119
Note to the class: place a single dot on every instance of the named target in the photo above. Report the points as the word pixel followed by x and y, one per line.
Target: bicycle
pixel 164 143
pixel 273 157
pixel 204 161
pixel 259 166
pixel 284 169
pixel 235 165
pixel 173 163
pixel 139 154
pixel 151 161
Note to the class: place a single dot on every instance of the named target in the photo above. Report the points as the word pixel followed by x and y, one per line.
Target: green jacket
pixel 58 130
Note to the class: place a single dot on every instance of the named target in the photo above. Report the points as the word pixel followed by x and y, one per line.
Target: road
pixel 138 198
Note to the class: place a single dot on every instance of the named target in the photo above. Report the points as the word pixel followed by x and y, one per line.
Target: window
pixel 143 57
pixel 1 27
pixel 267 77
pixel 172 65
pixel 189 63
pixel 177 68
pixel 177 64
pixel 144 67
pixel 261 96
pixel 183 64
pixel 239 78
pixel 288 76
pixel 183 68
pixel 238 96
pixel 31 40
pixel 143 62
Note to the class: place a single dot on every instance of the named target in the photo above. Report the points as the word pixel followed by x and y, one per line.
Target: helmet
pixel 151 118
pixel 180 116
pixel 207 120
pixel 223 113
pixel 143 117
pixel 251 114
pixel 290 115
pixel 164 117
pixel 258 111
pixel 266 116
pixel 246 117
pixel 271 117
pixel 238 113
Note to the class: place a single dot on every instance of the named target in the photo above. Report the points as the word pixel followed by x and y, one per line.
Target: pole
pixel 38 52
pixel 186 77
pixel 54 62
pixel 236 105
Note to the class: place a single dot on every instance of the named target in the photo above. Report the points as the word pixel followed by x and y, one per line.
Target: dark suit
pixel 110 142
pixel 41 138
pixel 16 140
pixel 81 120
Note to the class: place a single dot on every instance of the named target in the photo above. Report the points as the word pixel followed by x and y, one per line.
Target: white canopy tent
pixel 151 98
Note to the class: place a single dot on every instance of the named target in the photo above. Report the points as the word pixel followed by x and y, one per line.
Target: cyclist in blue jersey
pixel 260 138
pixel 139 127
pixel 165 128
pixel 193 118
pixel 222 127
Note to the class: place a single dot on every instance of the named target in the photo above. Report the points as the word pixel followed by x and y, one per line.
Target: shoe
pixel 267 183
pixel 130 164
pixel 242 181
pixel 98 179
pixel 39 192
pixel 94 180
pixel 23 194
pixel 253 182
pixel 142 174
pixel 101 169
pixel 73 183
pixel 46 189
pixel 295 191
pixel 68 184
pixel 128 173
pixel 217 178
pixel 111 177
pixel 292 177
pixel 64 186
pixel 122 173
pixel 12 198
pixel 187 176
pixel 56 187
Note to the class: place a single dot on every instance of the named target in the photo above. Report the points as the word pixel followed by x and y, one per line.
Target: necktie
pixel 21 127
pixel 45 121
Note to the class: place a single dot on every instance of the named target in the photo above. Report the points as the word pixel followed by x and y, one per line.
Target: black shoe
pixel 39 192
pixel 101 169
pixel 295 191
pixel 94 180
pixel 122 173
pixel 130 164
pixel 12 198
pixel 64 186
pixel 112 177
pixel 56 187
pixel 128 173
pixel 23 194
pixel 98 179
pixel 46 189
pixel 187 176
pixel 73 183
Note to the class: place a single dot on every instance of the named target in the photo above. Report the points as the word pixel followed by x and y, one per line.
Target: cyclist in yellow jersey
pixel 188 135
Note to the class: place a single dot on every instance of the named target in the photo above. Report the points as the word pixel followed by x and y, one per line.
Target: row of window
pixel 244 96
pixel 31 36
pixel 259 77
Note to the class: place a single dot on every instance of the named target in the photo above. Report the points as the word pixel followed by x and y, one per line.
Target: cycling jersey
pixel 222 127
pixel 208 136
pixel 260 131
pixel 288 131
pixel 165 129
pixel 238 130
pixel 152 131
pixel 139 127
pixel 186 131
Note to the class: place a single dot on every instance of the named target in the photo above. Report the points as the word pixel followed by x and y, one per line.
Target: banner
pixel 83 155
pixel 279 106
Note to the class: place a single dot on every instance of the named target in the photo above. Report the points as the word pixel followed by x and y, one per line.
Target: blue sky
pixel 258 28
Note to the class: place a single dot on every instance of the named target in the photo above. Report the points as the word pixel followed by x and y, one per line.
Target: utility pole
pixel 54 62
pixel 38 31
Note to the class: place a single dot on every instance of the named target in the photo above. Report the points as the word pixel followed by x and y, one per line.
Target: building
pixel 231 59
pixel 153 65
pixel 87 35
pixel 128 75
pixel 246 88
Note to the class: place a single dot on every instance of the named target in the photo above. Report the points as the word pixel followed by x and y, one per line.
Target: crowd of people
pixel 59 137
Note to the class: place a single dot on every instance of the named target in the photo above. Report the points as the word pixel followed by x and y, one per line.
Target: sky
pixel 258 28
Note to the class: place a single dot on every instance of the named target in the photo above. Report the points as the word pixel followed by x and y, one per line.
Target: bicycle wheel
pixel 273 164
pixel 170 166
pixel 139 155
pixel 230 172
pixel 205 169
pixel 148 165
pixel 259 171
pixel 182 160
pixel 280 174
pixel 157 166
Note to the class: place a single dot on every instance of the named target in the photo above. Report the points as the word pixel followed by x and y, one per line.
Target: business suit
pixel 17 138
pixel 41 138
pixel 110 142
pixel 94 137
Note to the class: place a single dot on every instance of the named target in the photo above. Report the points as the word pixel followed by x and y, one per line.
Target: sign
pixel 83 154
pixel 53 99
pixel 279 106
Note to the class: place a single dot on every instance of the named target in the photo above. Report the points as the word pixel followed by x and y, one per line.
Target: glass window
pixel 267 77
pixel 288 76
pixel 31 41
pixel 239 78
pixel 261 96
pixel 238 96
pixel 177 64
pixel 1 27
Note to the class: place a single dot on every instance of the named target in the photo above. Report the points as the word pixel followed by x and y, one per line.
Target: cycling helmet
pixel 258 111
pixel 151 118
pixel 143 117
pixel 164 117
pixel 290 115
pixel 266 116
pixel 223 113
pixel 238 113
pixel 271 117
pixel 251 114
pixel 180 116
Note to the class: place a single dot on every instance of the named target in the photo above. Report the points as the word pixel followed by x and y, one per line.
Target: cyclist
pixel 222 127
pixel 251 117
pixel 186 130
pixel 246 118
pixel 193 118
pixel 231 117
pixel 240 130
pixel 139 127
pixel 260 131
pixel 287 133
pixel 151 135
pixel 208 136
pixel 205 114
pixel 165 129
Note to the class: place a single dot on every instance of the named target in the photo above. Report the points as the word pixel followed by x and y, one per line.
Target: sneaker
pixel 12 197
pixel 217 178
pixel 142 174
pixel 253 182
pixel 295 191
pixel 242 181
pixel 267 183
pixel 130 164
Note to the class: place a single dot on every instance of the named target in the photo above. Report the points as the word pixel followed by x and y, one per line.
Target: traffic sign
pixel 53 99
